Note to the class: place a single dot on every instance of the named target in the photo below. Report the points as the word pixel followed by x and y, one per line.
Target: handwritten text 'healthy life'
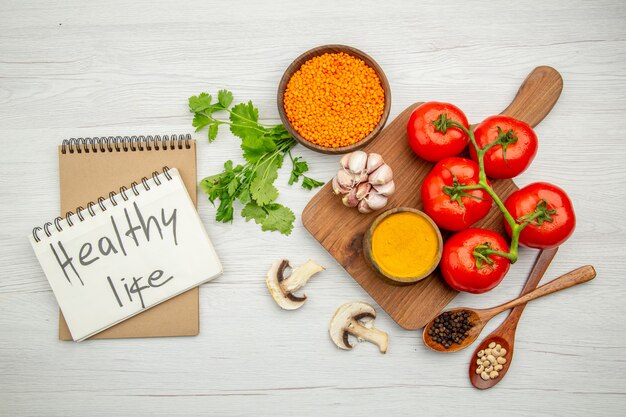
pixel 135 229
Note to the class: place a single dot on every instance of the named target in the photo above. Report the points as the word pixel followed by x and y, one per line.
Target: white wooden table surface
pixel 70 69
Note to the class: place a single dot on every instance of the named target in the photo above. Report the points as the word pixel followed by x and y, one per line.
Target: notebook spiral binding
pixel 100 202
pixel 125 143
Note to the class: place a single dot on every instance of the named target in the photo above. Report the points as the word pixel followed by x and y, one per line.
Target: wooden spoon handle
pixel 575 277
pixel 537 95
pixel 539 269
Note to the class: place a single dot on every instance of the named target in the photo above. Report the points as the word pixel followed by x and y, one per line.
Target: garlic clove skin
pixel 357 162
pixel 363 207
pixel 374 161
pixel 338 188
pixel 350 200
pixel 385 189
pixel 381 176
pixel 343 162
pixel 360 178
pixel 375 201
pixel 362 190
pixel 335 186
pixel 344 179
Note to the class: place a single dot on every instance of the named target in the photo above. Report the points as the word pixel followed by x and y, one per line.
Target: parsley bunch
pixel 264 149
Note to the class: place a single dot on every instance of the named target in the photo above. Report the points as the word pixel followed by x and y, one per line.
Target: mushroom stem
pixel 373 335
pixel 300 276
pixel 347 321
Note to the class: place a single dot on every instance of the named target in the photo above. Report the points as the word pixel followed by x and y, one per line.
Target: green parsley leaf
pixel 298 168
pixel 252 184
pixel 225 98
pixel 211 186
pixel 200 120
pixel 225 210
pixel 244 121
pixel 199 103
pixel 212 132
pixel 232 187
pixel 254 147
pixel 279 218
pixel 263 192
pixel 279 132
pixel 244 196
pixel 208 184
pixel 272 217
pixel 309 183
pixel 252 211
pixel 262 188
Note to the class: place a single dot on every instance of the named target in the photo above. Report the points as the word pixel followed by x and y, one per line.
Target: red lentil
pixel 334 100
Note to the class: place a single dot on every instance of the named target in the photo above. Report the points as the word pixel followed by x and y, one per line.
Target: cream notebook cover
pixel 93 167
pixel 125 254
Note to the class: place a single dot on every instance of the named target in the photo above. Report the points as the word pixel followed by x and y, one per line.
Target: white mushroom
pixel 347 321
pixel 282 288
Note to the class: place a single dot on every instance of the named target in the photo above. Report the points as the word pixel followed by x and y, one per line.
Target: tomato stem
pixel 457 190
pixel 442 123
pixel 542 211
pixel 511 255
pixel 516 228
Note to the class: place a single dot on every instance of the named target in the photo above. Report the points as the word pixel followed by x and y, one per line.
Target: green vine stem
pixel 542 213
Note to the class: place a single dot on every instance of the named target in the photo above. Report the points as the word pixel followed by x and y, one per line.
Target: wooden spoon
pixel 505 333
pixel 479 318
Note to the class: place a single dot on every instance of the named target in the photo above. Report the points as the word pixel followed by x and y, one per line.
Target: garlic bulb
pixel 364 181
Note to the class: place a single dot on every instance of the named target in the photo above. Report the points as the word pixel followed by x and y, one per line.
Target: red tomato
pixel 429 143
pixel 458 263
pixel 450 209
pixel 549 230
pixel 520 149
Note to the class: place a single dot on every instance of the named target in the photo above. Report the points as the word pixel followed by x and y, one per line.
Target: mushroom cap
pixel 343 320
pixel 284 299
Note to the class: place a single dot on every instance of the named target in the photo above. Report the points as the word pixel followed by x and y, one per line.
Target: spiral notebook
pixel 92 167
pixel 126 253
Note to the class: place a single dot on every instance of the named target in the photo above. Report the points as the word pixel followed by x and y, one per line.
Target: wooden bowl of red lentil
pixel 334 99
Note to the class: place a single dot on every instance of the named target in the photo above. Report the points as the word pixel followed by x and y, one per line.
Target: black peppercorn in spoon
pixel 479 318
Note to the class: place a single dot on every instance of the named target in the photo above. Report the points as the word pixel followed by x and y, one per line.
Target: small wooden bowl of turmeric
pixel 403 245
pixel 334 99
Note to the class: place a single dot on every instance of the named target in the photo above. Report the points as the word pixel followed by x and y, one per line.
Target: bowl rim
pixel 318 51
pixel 367 245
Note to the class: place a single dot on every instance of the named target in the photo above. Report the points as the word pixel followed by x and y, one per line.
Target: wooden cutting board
pixel 340 229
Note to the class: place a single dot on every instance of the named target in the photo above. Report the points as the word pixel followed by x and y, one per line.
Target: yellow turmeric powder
pixel 334 100
pixel 405 245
